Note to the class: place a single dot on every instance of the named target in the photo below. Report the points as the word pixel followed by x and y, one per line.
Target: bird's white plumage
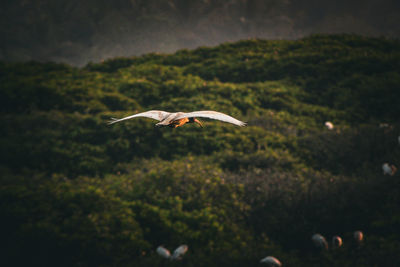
pixel 167 117
pixel 386 169
pixel 170 118
pixel 152 114
pixel 179 252
pixel 163 252
pixel 329 125
pixel 212 115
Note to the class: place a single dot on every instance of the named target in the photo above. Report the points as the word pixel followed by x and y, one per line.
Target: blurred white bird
pixel 179 252
pixel 389 169
pixel 398 138
pixel 163 252
pixel 180 118
pixel 271 261
pixel 177 255
pixel 386 169
pixel 358 237
pixel 329 125
pixel 337 241
pixel 319 241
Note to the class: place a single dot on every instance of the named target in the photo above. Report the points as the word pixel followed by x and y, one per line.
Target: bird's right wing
pixel 152 114
pixel 210 114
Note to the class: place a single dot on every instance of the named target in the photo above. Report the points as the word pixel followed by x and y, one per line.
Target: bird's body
pixel 178 123
pixel 178 119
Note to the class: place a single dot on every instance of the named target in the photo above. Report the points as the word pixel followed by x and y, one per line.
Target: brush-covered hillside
pixel 76 191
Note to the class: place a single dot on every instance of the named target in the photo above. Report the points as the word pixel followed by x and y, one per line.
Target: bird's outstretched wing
pixel 212 115
pixel 153 114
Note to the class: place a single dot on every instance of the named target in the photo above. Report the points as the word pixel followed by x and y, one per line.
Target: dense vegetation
pixel 78 192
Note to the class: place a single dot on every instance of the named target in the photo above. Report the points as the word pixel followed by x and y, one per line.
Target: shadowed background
pixel 77 32
pixel 75 191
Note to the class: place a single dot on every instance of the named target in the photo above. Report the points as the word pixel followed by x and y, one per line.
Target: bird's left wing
pixel 212 115
pixel 153 114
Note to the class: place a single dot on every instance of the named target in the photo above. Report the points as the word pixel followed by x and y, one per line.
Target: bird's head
pixel 194 120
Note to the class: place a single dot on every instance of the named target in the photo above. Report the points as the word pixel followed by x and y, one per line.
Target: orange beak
pixel 198 122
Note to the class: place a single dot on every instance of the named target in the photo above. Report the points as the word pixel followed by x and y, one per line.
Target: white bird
pixel 386 169
pixel 319 241
pixel 389 169
pixel 337 241
pixel 271 261
pixel 180 118
pixel 329 125
pixel 163 252
pixel 358 237
pixel 179 252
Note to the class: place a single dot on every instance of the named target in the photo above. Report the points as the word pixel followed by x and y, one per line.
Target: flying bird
pixel 177 255
pixel 178 119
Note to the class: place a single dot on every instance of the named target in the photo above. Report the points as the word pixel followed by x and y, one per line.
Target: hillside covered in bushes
pixel 76 191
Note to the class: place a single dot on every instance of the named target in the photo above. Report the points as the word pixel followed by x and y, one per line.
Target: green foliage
pixel 76 191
